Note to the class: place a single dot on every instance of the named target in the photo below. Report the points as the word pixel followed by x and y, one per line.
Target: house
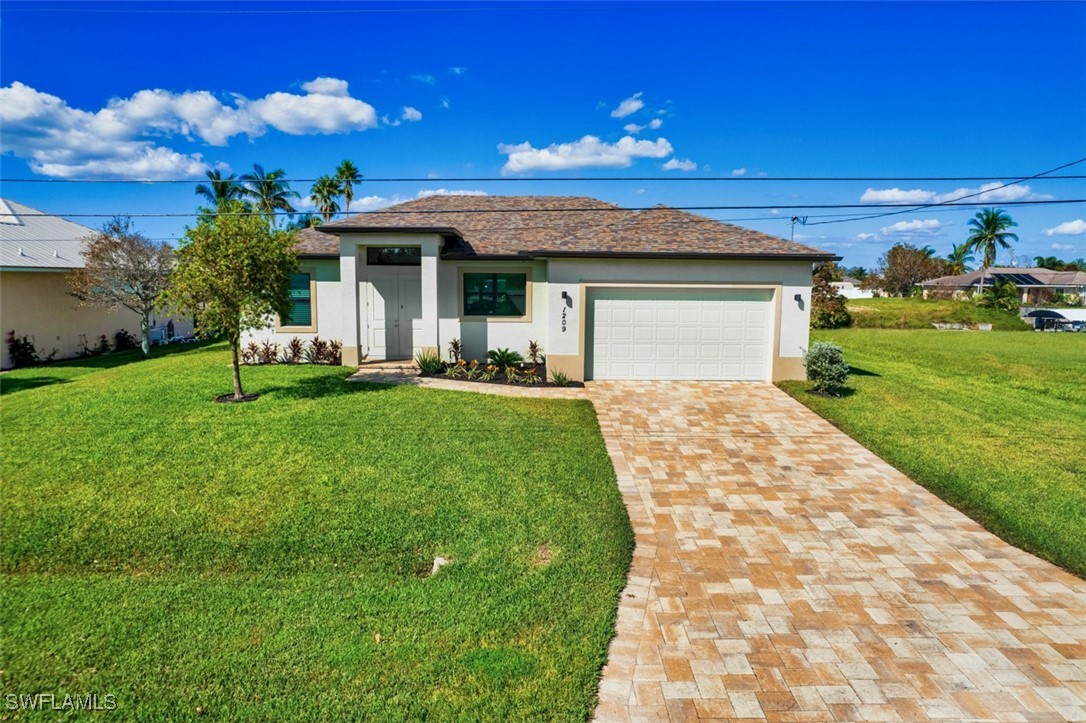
pixel 1036 285
pixel 609 293
pixel 36 251
pixel 850 289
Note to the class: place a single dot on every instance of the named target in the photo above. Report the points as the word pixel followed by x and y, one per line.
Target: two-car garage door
pixel 673 333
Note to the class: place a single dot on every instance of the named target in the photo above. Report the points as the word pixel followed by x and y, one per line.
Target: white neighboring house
pixel 850 289
pixel 608 293
pixel 36 251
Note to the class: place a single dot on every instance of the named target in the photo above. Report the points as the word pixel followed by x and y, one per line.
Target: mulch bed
pixel 500 379
pixel 229 398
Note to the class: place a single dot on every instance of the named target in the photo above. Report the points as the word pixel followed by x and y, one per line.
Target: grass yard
pixel 892 313
pixel 245 558
pixel 994 423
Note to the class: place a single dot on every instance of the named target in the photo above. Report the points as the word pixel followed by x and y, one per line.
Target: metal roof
pixel 29 241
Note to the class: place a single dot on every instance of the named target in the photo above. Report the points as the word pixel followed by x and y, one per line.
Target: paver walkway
pixel 784 572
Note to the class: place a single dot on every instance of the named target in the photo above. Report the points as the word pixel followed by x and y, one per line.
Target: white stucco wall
pixel 328 305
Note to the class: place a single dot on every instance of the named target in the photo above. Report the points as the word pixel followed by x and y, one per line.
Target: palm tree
pixel 270 193
pixel 221 189
pixel 304 221
pixel 324 193
pixel 989 234
pixel 1051 262
pixel 958 258
pixel 348 175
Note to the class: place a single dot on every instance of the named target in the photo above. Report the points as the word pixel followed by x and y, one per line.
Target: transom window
pixel 301 301
pixel 495 294
pixel 393 256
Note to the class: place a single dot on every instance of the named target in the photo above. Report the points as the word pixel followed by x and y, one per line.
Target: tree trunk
pixel 235 343
pixel 145 334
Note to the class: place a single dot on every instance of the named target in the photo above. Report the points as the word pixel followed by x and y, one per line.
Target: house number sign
pixel 563 319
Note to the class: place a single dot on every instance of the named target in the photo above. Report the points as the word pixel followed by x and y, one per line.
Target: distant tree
pixel 220 189
pixel 903 267
pixel 856 272
pixel 957 259
pixel 268 191
pixel 233 271
pixel 122 268
pixel 348 175
pixel 325 193
pixel 304 221
pixel 988 234
pixel 828 307
pixel 1002 294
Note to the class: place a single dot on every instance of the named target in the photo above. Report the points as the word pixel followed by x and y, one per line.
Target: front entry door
pixel 394 301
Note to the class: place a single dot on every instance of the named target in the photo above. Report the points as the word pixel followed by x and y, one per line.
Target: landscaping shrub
pixel 268 352
pixel 428 362
pixel 826 367
pixel 560 379
pixel 23 352
pixel 828 310
pixel 123 340
pixel 530 375
pixel 456 350
pixel 535 353
pixel 293 351
pixel 504 357
pixel 1003 294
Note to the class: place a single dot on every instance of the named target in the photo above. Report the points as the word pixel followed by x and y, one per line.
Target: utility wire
pixel 565 179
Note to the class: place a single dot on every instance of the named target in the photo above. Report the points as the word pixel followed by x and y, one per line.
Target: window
pixel 301 299
pixel 495 294
pixel 393 256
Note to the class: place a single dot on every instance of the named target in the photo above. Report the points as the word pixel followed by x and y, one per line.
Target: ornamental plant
pixel 826 368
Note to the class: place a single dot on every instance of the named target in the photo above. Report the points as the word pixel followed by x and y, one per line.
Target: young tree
pixel 348 175
pixel 904 266
pixel 233 271
pixel 988 234
pixel 122 268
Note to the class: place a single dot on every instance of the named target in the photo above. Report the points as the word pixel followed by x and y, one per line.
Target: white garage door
pixel 679 333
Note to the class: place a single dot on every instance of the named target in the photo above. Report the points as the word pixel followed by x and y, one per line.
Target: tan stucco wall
pixel 36 304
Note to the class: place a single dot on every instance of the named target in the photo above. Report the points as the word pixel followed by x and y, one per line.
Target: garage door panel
pixel 673 333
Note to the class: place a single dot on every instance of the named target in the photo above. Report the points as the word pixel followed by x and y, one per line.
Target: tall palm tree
pixel 348 175
pixel 324 193
pixel 220 189
pixel 957 259
pixel 989 234
pixel 270 193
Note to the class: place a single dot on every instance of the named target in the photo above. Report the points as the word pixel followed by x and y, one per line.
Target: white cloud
pixel 411 114
pixel 774 212
pixel 628 106
pixel 427 192
pixel 1067 228
pixel 896 195
pixel 1063 247
pixel 653 124
pixel 912 228
pixel 680 164
pixel 424 78
pixel 739 171
pixel 588 152
pixel 868 236
pixel 124 138
pixel 457 70
pixel 445 103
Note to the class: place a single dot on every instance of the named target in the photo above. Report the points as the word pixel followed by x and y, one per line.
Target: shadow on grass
pixel 858 372
pixel 323 387
pixel 10 385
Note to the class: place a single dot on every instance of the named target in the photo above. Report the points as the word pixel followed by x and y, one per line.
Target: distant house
pixel 850 289
pixel 35 253
pixel 1036 285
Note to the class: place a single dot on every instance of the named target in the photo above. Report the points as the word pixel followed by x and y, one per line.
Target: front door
pixel 394 301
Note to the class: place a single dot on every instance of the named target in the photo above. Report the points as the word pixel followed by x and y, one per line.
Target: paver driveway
pixel 783 571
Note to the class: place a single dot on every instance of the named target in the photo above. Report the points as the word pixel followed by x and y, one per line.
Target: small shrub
pixel 472 370
pixel 826 367
pixel 23 353
pixel 560 379
pixel 123 340
pixel 512 374
pixel 293 351
pixel 335 352
pixel 490 373
pixel 457 370
pixel 268 352
pixel 504 357
pixel 530 375
pixel 317 353
pixel 456 350
pixel 250 354
pixel 428 362
pixel 103 346
pixel 535 352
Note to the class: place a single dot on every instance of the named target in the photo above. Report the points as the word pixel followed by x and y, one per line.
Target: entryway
pixel 393 303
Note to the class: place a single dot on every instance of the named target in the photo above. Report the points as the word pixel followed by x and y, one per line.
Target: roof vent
pixel 56 254
pixel 21 251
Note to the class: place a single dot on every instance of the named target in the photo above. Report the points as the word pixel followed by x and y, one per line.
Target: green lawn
pixel 892 313
pixel 244 558
pixel 994 423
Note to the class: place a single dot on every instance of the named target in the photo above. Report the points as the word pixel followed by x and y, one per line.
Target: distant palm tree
pixel 324 193
pixel 928 251
pixel 221 189
pixel 270 193
pixel 348 175
pixel 1051 262
pixel 304 221
pixel 989 234
pixel 958 258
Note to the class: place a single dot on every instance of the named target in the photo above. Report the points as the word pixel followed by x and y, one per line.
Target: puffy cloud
pixel 739 171
pixel 994 192
pixel 411 114
pixel 653 124
pixel 680 164
pixel 1063 247
pixel 124 137
pixel 896 195
pixel 912 228
pixel 588 152
pixel 1067 228
pixel 628 106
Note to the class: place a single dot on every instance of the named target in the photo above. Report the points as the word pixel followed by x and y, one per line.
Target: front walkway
pixel 783 571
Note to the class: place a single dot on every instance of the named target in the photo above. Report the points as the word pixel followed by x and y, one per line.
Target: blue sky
pixel 541 90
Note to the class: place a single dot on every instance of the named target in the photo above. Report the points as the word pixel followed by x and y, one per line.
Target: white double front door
pixel 393 304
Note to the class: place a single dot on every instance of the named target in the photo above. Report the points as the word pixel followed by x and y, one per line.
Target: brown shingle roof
pixel 1040 275
pixel 482 226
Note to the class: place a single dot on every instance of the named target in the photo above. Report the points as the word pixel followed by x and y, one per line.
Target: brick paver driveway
pixel 782 571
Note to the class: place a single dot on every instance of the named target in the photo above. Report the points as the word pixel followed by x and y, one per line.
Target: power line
pixel 570 179
pixel 955 201
pixel 598 209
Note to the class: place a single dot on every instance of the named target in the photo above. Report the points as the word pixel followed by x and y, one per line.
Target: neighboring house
pixel 850 289
pixel 1036 285
pixel 608 293
pixel 35 253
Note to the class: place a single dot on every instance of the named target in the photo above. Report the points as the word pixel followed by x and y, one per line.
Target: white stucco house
pixel 850 289
pixel 607 292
